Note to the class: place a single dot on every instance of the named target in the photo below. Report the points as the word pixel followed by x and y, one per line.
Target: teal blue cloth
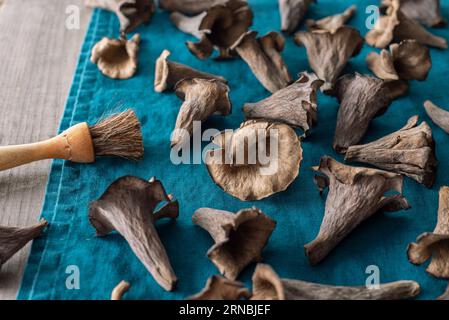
pixel 103 262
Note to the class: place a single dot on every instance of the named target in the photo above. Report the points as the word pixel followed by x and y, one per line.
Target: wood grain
pixel 38 56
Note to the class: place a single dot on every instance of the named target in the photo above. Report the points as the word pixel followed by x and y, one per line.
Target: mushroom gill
pixel 219 288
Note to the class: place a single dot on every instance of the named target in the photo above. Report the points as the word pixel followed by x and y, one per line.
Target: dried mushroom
pixel 423 11
pixel 295 105
pixel 292 13
pixel 202 98
pixel 331 23
pixel 355 194
pixel 239 238
pixel 434 245
pixel 256 161
pixel 264 59
pixel 409 151
pixel 219 288
pixel 221 27
pixel 328 53
pixel 395 27
pixel 268 286
pixel 168 73
pixel 131 13
pixel 12 239
pixel 128 206
pixel 439 116
pixel 188 24
pixel 120 290
pixel 189 6
pixel 445 295
pixel 116 58
pixel 361 98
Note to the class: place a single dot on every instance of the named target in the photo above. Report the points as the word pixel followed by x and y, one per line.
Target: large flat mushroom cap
pixel 253 180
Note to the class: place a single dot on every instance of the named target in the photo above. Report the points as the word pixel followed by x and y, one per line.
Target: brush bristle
pixel 119 135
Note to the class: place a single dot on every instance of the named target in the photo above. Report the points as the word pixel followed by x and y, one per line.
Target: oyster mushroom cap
pixel 445 295
pixel 256 161
pixel 168 73
pixel 295 105
pixel 292 13
pixel 239 238
pixel 434 245
pixel 117 58
pixel 12 239
pixel 423 11
pixel 328 53
pixel 189 6
pixel 219 288
pixel 267 285
pixel 382 65
pixel 355 194
pixel 439 116
pixel 331 23
pixel 128 206
pixel 188 24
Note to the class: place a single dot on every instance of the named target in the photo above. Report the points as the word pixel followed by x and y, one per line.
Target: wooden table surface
pixel 38 55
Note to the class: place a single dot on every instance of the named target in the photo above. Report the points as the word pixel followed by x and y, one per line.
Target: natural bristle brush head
pixel 119 135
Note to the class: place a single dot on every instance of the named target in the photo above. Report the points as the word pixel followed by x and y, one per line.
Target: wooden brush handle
pixel 74 144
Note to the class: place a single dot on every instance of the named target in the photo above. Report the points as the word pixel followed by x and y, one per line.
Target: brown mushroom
pixel 423 11
pixel 396 88
pixel 361 98
pixel 292 13
pixel 202 98
pixel 128 206
pixel 328 53
pixel 120 290
pixel 188 24
pixel 12 239
pixel 168 73
pixel 409 151
pixel 331 23
pixel 439 116
pixel 131 13
pixel 267 285
pixel 256 161
pixel 116 58
pixel 264 59
pixel 355 194
pixel 395 26
pixel 239 238
pixel 221 27
pixel 434 245
pixel 445 295
pixel 189 6
pixel 295 105
pixel 219 288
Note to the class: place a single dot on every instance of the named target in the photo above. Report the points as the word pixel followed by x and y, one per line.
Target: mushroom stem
pixel 120 290
pixel 219 288
pixel 263 57
pixel 127 206
pixel 168 73
pixel 202 98
pixel 267 285
pixel 292 13
pixel 239 238
pixel 439 116
pixel 188 24
pixel 12 239
pixel 189 6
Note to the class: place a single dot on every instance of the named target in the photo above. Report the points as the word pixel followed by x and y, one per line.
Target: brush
pixel 118 135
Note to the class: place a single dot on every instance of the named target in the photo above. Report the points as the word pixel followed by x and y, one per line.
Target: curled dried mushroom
pixel 292 13
pixel 239 238
pixel 409 151
pixel 263 56
pixel 328 53
pixel 267 285
pixel 355 194
pixel 12 239
pixel 361 98
pixel 295 105
pixel 202 98
pixel 188 24
pixel 189 6
pixel 128 206
pixel 219 288
pixel 423 11
pixel 434 245
pixel 256 161
pixel 116 58
pixel 395 27
pixel 439 116
pixel 120 290
pixel 331 23
pixel 168 73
